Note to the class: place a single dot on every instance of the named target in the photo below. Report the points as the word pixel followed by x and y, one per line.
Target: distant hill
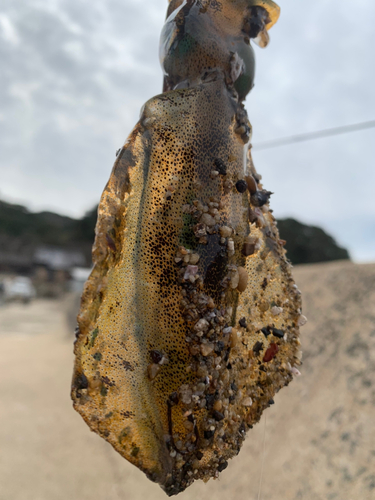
pixel 43 228
pixel 22 231
pixel 309 244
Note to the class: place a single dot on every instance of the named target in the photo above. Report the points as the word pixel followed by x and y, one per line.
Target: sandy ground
pixel 316 443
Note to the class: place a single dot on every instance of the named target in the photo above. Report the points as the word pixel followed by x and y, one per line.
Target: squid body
pixel 189 322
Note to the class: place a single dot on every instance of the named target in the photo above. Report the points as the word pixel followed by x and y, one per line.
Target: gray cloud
pixel 75 74
pixel 318 73
pixel 75 80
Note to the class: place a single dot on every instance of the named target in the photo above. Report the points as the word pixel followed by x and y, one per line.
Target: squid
pixel 189 322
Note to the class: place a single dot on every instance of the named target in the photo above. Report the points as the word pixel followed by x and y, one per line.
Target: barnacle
pixel 190 319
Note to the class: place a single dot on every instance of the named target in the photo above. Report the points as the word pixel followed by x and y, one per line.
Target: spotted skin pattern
pixel 189 322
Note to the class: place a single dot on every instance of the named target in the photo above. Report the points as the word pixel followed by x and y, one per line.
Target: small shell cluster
pixel 158 359
pixel 210 339
pixel 218 408
pixel 207 217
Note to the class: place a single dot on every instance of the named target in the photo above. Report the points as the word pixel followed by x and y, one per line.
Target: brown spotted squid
pixel 189 322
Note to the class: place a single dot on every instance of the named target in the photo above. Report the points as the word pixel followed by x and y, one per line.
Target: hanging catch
pixel 190 319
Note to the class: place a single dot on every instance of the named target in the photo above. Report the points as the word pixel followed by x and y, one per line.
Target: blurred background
pixel 74 76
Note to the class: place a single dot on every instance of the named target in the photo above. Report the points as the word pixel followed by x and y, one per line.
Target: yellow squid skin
pixel 189 322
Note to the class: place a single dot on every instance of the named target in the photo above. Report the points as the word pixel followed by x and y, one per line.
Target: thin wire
pixel 314 135
pixel 263 457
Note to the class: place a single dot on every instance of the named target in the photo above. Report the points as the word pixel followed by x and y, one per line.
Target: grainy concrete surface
pixel 316 443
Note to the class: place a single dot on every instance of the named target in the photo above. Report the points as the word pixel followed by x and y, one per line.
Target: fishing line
pixel 310 136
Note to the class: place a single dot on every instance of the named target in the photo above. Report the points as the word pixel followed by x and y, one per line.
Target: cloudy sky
pixel 75 73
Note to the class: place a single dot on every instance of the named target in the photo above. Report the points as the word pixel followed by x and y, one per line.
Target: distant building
pixel 52 269
pixel 57 259
pixel 53 259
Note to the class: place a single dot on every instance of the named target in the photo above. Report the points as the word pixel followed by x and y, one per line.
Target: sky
pixel 75 74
